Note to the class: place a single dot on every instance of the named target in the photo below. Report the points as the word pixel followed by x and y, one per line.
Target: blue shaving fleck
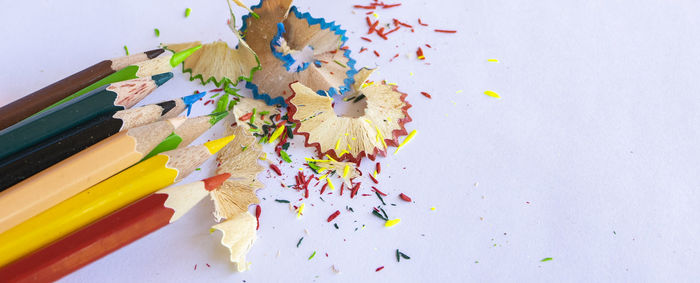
pixel 191 99
pixel 349 80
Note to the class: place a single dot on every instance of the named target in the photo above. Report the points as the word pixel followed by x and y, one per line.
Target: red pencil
pixel 110 233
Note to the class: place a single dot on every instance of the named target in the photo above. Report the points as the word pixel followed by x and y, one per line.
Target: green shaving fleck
pixel 244 148
pixel 285 156
pixel 341 64
pixel 221 104
pixel 312 255
pixel 282 200
pixel 252 117
pixel 187 12
pixel 127 50
pixel 198 169
pixel 546 259
pixel 157 32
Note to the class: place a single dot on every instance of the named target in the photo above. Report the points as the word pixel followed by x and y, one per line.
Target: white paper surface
pixel 590 157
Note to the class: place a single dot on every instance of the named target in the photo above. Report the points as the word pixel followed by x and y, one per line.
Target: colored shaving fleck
pixel 187 12
pixel 426 94
pixel 492 94
pixel 392 222
pixel 419 53
pixel 285 156
pixel 445 31
pixel 405 197
pixel 276 134
pixel 258 211
pixel 126 49
pixel 312 255
pixel 282 200
pixel 157 32
pixel 546 259
pixel 405 141
pixel 379 268
pixel 492 60
pixel 333 216
pixel 276 169
pixel 299 242
pixel 300 211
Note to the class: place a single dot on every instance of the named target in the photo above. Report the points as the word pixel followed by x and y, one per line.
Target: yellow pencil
pixel 104 198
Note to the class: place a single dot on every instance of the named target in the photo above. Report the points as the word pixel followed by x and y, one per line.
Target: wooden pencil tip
pixel 215 182
pixel 177 121
pixel 216 145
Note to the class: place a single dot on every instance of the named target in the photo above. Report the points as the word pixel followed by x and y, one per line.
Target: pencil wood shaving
pixel 329 68
pixel 216 62
pixel 348 138
pixel 238 236
pixel 245 108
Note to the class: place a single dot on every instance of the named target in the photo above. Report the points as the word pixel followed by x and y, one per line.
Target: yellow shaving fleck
pixel 492 94
pixel 375 15
pixel 349 147
pixel 405 141
pixel 343 152
pixel 300 210
pixel 460 91
pixel 322 177
pixel 492 60
pixel 276 134
pixel 331 158
pixel 432 208
pixel 391 222
pixel 374 174
pixel 263 156
pixel 381 137
pixel 392 84
pixel 330 184
pixel 411 73
pixel 317 160
pixel 322 169
pixel 337 144
pixel 346 170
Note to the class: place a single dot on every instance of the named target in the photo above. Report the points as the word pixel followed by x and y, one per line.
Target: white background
pixel 591 156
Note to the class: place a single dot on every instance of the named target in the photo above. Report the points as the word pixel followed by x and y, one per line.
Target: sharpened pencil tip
pixel 216 145
pixel 182 55
pixel 154 53
pixel 215 182
pixel 160 79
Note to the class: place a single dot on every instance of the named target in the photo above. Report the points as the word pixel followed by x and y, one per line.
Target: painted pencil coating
pixel 109 233
pixel 104 198
pixel 28 105
pixel 77 173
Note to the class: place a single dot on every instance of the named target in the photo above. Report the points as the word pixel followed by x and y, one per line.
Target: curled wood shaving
pixel 351 138
pixel 238 236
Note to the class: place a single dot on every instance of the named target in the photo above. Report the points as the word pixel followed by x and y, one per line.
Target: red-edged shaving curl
pixel 346 138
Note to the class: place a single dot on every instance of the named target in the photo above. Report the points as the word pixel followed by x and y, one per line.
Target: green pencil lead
pixel 182 55
pixel 216 117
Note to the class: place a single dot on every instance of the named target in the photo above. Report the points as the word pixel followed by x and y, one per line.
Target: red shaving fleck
pixel 376 53
pixel 379 268
pixel 354 190
pixel 391 6
pixel 445 31
pixel 378 191
pixel 208 265
pixel 342 186
pixel 395 56
pixel 378 168
pixel 195 267
pixel 334 215
pixel 362 50
pixel 364 7
pixel 258 210
pixel 214 90
pixel 393 30
pixel 373 179
pixel 276 169
pixel 428 45
pixel 323 189
pixel 369 13
pixel 208 101
pixel 366 39
pixel 405 197
pixel 426 94
pixel 380 33
pixel 397 23
pixel 246 116
pixel 419 53
pixel 421 23
pixel 366 195
pixel 372 27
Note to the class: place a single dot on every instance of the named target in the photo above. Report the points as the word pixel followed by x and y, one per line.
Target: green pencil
pixel 143 69
pixel 103 100
pixel 186 133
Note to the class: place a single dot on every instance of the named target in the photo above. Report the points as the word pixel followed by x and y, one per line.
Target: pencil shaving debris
pixel 492 94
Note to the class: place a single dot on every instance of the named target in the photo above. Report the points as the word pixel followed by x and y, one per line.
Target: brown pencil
pixel 26 106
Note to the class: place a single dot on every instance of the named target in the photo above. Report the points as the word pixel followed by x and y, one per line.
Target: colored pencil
pixel 110 233
pixel 143 69
pixel 34 102
pixel 104 198
pixel 79 172
pixel 104 100
pixel 187 133
pixel 32 160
